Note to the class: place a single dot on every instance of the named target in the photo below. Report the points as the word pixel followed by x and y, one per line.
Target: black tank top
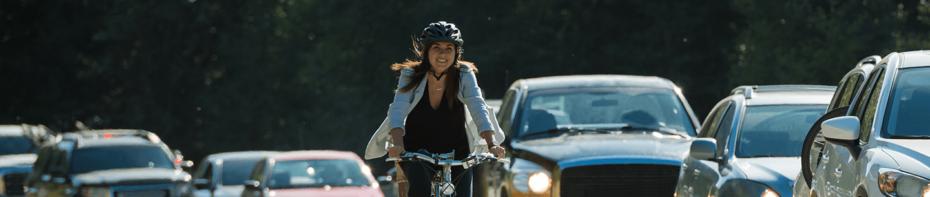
pixel 438 130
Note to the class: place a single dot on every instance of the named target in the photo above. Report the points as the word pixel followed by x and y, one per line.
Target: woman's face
pixel 441 55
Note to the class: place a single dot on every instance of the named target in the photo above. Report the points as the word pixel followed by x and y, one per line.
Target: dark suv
pixel 108 163
pixel 18 148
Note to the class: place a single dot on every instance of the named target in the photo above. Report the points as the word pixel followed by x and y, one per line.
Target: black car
pixel 18 148
pixel 223 174
pixel 108 163
pixel 591 135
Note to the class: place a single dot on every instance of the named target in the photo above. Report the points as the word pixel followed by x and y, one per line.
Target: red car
pixel 312 173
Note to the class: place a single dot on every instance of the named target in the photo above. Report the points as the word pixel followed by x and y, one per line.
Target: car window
pixel 866 117
pixel 710 124
pixel 117 157
pixel 506 111
pixel 236 172
pixel 906 114
pixel 783 126
pixel 205 168
pixel 10 145
pixel 850 88
pixel 317 173
pixel 258 172
pixel 603 107
pixel 722 132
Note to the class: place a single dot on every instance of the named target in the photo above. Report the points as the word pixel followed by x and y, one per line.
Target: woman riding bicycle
pixel 431 108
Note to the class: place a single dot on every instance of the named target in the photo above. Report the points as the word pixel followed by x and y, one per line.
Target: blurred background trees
pixel 211 76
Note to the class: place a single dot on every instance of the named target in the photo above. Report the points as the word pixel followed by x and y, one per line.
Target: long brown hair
pixel 421 66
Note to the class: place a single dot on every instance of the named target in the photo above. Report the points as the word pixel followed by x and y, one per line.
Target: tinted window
pixel 722 132
pixel 608 107
pixel 317 173
pixel 236 172
pixel 851 87
pixel 709 128
pixel 782 126
pixel 16 145
pixel 867 117
pixel 908 105
pixel 258 172
pixel 116 157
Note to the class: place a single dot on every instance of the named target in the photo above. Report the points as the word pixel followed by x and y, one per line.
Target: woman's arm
pixel 398 112
pixel 471 94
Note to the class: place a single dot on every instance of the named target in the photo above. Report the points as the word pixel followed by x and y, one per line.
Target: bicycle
pixel 442 182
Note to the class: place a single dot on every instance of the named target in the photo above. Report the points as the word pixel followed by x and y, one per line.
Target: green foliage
pixel 211 76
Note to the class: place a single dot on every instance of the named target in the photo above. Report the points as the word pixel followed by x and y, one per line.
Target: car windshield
pixel 783 126
pixel 906 114
pixel 603 108
pixel 236 172
pixel 10 145
pixel 317 173
pixel 116 157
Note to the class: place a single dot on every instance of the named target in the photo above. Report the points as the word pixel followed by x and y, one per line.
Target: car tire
pixel 813 144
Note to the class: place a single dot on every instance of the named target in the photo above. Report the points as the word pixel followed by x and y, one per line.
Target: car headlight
pixel 95 191
pixel 897 183
pixel 530 177
pixel 744 187
pixel 539 182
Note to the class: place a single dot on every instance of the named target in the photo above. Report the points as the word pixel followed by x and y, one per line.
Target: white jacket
pixel 480 118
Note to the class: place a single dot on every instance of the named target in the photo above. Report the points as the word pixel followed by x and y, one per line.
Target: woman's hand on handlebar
pixel 498 151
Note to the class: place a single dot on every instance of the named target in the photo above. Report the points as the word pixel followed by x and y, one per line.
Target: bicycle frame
pixel 442 182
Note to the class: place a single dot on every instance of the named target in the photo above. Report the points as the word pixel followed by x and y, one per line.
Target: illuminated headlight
pixel 95 191
pixel 897 183
pixel 539 182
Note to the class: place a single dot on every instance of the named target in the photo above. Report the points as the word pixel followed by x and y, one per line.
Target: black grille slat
pixel 619 180
pixel 14 183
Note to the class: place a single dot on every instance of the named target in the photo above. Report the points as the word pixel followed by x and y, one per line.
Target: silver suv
pixel 882 148
pixel 749 144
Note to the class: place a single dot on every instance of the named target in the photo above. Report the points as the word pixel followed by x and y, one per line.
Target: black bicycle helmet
pixel 441 31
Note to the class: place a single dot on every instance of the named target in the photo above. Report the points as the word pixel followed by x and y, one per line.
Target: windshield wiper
pixel 563 130
pixel 909 137
pixel 662 129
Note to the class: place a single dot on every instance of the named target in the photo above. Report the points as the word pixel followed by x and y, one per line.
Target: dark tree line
pixel 211 76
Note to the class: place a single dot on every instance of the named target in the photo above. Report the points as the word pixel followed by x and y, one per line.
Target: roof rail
pixel 874 59
pixel 748 91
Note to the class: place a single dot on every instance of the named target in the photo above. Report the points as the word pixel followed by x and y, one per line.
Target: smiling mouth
pixel 442 61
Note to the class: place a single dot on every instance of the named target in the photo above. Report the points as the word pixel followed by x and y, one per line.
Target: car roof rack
pixel 874 59
pixel 749 90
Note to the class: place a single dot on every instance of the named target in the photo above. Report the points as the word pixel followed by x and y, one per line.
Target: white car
pixel 883 147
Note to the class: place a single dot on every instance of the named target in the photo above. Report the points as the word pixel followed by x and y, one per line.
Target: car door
pixel 709 172
pixel 839 158
pixel 691 167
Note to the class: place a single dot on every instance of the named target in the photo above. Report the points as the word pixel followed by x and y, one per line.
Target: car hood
pixel 17 160
pixel 131 176
pixel 911 155
pixel 593 146
pixel 332 192
pixel 768 169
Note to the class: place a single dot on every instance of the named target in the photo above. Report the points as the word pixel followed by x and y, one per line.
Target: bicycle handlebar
pixel 446 159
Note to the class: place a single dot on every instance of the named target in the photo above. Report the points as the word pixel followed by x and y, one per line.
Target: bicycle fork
pixel 442 183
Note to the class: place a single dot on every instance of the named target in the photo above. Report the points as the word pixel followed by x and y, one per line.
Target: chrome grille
pixel 142 193
pixel 14 183
pixel 619 180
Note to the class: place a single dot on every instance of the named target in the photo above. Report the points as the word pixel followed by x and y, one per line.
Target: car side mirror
pixel 384 180
pixel 202 184
pixel 845 128
pixel 187 164
pixel 252 184
pixel 704 149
